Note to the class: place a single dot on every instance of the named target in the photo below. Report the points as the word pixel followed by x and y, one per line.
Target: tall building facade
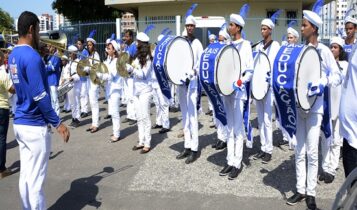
pixel 46 22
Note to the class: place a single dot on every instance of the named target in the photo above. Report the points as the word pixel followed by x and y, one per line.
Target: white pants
pixel 93 100
pixel 13 102
pixel 131 100
pixel 107 96
pixel 84 95
pixel 74 100
pixel 174 102
pixel 162 108
pixel 143 118
pixel 264 110
pixel 234 109
pixel 188 105
pixel 210 106
pixel 307 139
pixel 67 105
pixel 222 133
pixel 35 147
pixel 54 99
pixel 331 152
pixel 114 103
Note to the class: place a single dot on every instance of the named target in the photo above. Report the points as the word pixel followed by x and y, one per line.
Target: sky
pixel 16 7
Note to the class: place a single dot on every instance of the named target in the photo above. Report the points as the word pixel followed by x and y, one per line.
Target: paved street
pixel 89 173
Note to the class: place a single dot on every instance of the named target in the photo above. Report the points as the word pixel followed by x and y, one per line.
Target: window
pixel 159 19
pixel 290 16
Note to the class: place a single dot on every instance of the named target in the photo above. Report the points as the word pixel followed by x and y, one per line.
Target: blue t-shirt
pixel 53 69
pixel 28 74
pixel 83 55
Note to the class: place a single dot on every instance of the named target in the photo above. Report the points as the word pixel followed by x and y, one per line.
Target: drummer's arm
pixel 334 78
pixel 248 64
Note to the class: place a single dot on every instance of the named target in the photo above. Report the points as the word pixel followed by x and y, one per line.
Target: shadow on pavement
pixel 12 144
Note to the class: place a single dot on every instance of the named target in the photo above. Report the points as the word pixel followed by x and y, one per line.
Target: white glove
pixel 99 75
pixel 129 68
pixel 191 74
pixel 86 69
pixel 317 88
pixel 239 85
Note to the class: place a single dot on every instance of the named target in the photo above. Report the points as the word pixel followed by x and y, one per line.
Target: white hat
pixel 313 18
pixel 350 19
pixel 190 20
pixel 292 31
pixel 225 34
pixel 212 36
pixel 107 41
pixel 115 45
pixel 268 22
pixel 141 36
pixel 337 40
pixel 90 37
pixel 237 19
pixel 72 48
pixel 64 57
pixel 10 47
pixel 184 32
pixel 160 37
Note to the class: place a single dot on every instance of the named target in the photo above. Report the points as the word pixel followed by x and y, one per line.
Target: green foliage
pixel 6 22
pixel 84 10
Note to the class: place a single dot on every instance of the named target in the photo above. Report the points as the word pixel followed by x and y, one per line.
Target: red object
pixel 239 83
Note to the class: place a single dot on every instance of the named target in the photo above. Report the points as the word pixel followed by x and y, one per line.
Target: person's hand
pixel 64 132
pixel 71 79
pixel 129 68
pixel 317 88
pixel 239 85
pixel 99 75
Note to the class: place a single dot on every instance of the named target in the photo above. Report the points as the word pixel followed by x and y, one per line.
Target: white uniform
pixel 94 95
pixel 265 106
pixel 143 94
pixel 308 129
pixel 234 106
pixel 114 86
pixel 188 102
pixel 331 152
pixel 75 93
pixel 65 75
pixel 161 103
pixel 84 98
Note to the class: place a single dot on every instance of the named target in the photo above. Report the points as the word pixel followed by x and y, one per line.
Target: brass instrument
pixel 121 65
pixel 60 43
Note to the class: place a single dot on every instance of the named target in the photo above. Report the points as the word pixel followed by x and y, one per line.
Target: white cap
pixel 350 19
pixel 184 32
pixel 225 34
pixel 91 40
pixel 72 48
pixel 237 19
pixel 10 47
pixel 107 41
pixel 141 36
pixel 293 32
pixel 115 45
pixel 268 22
pixel 212 36
pixel 313 18
pixel 337 40
pixel 190 20
pixel 160 37
pixel 64 57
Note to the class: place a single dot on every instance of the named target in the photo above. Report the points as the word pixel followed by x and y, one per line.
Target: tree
pixel 6 22
pixel 84 10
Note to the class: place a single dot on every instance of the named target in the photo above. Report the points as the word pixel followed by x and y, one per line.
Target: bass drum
pixel 262 68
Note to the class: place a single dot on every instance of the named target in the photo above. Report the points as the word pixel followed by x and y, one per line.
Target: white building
pixel 46 22
pixel 60 20
pixel 162 13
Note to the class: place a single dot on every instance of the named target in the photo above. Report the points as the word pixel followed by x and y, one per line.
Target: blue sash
pixel 159 65
pixel 246 116
pixel 207 79
pixel 326 125
pixel 283 86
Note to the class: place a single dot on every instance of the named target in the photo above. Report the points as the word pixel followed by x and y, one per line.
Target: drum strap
pixel 267 45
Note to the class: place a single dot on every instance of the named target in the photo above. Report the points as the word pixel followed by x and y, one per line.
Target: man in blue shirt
pixel 53 69
pixel 34 112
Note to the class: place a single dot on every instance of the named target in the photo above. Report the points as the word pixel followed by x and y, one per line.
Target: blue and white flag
pixel 159 65
pixel 207 78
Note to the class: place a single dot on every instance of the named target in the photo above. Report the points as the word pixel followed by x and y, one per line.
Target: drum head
pixel 228 69
pixel 308 70
pixel 179 60
pixel 259 85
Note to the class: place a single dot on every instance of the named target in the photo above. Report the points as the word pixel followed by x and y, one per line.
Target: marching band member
pixel 74 94
pixel 107 86
pixel 348 115
pixel 65 74
pixel 234 103
pixel 264 106
pixel 331 152
pixel 115 84
pixel 84 99
pixel 128 82
pixel 33 114
pixel 161 102
pixel 351 29
pixel 292 34
pixel 93 88
pixel 308 124
pixel 53 70
pixel 188 95
pixel 141 70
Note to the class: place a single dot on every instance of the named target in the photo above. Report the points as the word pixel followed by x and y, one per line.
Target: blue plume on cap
pixel 92 33
pixel 349 12
pixel 169 33
pixel 191 9
pixel 223 27
pixel 243 34
pixel 74 39
pixel 148 29
pixel 283 38
pixel 292 23
pixel 112 37
pixel 276 15
pixel 339 32
pixel 165 31
pixel 119 41
pixel 208 33
pixel 317 6
pixel 244 10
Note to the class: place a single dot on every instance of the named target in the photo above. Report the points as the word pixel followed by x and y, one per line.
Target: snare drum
pixel 259 85
pixel 174 55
